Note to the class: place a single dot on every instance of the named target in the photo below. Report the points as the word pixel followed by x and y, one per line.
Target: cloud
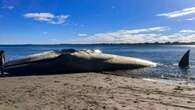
pixel 136 31
pixel 47 17
pixel 146 35
pixel 40 16
pixel 8 7
pixel 178 13
pixel 190 19
pixel 187 31
pixel 82 35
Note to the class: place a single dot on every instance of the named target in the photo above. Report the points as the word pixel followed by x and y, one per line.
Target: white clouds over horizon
pixel 178 13
pixel 187 31
pixel 145 35
pixel 47 17
pixel 144 30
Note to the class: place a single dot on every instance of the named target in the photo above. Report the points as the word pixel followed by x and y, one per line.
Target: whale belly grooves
pixel 116 59
pixel 67 61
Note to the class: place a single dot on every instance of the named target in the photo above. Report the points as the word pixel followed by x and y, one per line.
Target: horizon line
pixel 103 43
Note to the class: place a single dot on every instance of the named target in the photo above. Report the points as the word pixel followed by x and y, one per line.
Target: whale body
pixel 70 60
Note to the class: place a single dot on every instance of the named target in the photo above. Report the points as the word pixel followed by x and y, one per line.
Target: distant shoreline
pixel 167 43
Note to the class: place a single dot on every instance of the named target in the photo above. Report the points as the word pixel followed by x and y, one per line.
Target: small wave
pixel 173 82
pixel 160 64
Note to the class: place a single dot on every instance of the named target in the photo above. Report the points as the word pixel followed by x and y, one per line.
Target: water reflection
pixel 185 71
pixel 170 72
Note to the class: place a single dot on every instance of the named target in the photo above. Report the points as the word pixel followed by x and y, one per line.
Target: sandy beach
pixel 92 91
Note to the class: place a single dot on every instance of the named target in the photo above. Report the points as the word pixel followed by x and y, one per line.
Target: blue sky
pixel 96 21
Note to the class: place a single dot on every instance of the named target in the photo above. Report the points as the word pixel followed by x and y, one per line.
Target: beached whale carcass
pixel 70 60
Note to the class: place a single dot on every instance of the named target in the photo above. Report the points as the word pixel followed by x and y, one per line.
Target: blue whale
pixel 70 61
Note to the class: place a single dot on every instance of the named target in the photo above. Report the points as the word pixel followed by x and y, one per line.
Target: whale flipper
pixel 184 62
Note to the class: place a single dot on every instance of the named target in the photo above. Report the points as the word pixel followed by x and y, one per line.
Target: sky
pixel 96 21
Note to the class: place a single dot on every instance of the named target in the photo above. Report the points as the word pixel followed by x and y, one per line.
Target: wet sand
pixel 92 91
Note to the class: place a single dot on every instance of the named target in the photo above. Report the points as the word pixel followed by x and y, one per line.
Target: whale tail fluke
pixel 184 62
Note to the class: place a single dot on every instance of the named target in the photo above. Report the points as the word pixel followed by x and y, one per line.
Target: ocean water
pixel 167 56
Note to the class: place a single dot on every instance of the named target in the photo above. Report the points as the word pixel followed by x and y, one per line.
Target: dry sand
pixel 92 91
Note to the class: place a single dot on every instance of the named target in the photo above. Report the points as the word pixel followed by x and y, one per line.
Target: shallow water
pixel 167 56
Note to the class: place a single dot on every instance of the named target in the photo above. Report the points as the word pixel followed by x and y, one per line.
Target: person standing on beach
pixel 2 61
